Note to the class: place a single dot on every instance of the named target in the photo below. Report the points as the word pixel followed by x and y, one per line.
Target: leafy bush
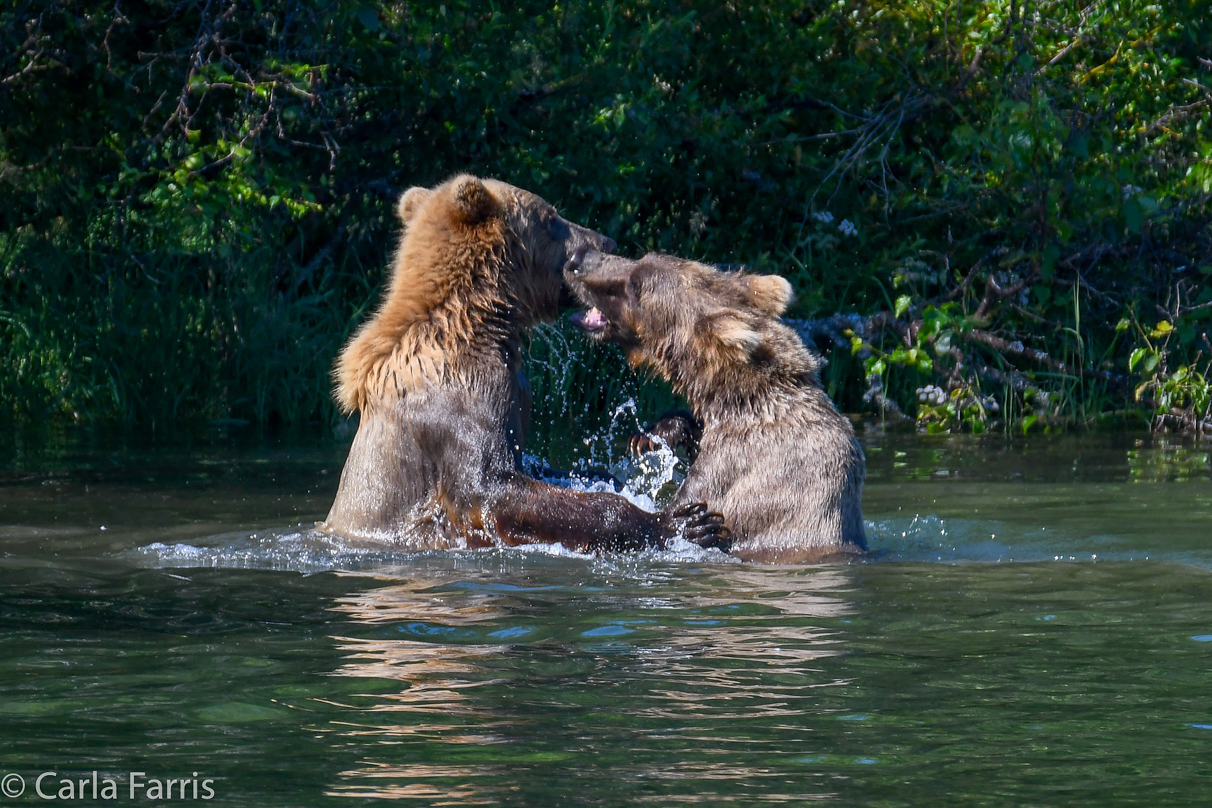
pixel 199 195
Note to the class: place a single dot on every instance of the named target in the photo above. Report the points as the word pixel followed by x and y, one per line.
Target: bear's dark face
pixel 547 242
pixel 548 238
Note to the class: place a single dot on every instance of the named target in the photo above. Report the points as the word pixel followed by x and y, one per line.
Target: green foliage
pixel 1181 397
pixel 199 196
pixel 963 408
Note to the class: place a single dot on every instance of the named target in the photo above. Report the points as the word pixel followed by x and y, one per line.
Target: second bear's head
pixel 472 238
pixel 689 321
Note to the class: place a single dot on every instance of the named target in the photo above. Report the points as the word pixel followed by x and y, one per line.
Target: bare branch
pixel 994 292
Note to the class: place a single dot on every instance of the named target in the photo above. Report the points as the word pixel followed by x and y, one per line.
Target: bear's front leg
pixel 527 511
pixel 673 429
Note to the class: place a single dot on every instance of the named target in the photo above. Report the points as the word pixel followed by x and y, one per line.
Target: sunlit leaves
pixel 874 153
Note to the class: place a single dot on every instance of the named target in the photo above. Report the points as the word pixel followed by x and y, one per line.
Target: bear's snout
pixel 573 265
pixel 587 261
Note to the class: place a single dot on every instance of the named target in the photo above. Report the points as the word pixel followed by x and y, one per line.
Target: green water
pixel 1035 629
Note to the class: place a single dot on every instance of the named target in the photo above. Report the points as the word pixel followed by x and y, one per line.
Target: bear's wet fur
pixel 435 375
pixel 774 455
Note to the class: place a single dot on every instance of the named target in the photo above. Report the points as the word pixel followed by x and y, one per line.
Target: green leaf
pixel 1122 325
pixel 963 135
pixel 1135 358
pixel 1150 363
pixel 902 305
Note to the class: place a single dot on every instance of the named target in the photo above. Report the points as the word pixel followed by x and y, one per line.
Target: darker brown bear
pixel 436 376
pixel 775 457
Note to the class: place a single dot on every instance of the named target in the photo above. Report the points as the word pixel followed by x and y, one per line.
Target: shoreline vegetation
pixel 996 216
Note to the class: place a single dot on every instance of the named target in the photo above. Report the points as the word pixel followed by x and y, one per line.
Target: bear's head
pixel 468 220
pixel 695 324
pixel 479 260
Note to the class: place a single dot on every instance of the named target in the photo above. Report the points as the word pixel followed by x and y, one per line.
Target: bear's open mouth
pixel 592 320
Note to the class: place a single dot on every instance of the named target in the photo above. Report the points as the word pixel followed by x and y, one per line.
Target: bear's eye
pixel 554 226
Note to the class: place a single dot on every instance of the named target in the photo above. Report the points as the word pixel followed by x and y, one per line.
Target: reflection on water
pixel 434 676
pixel 483 662
pixel 407 785
pixel 1033 629
pixel 1168 461
pixel 434 673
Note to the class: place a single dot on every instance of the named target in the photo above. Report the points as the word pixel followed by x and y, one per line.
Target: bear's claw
pixel 642 443
pixel 703 527
pixel 673 429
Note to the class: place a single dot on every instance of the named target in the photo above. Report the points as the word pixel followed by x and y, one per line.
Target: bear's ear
pixel 411 201
pixel 769 294
pixel 735 332
pixel 472 200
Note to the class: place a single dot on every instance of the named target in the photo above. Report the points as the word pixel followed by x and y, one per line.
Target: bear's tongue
pixel 592 320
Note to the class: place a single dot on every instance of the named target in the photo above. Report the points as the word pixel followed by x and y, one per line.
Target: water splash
pixel 299 550
pixel 647 482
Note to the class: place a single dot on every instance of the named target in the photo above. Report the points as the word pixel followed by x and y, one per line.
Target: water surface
pixel 1033 629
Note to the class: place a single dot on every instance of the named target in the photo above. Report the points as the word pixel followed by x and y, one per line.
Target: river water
pixel 1033 628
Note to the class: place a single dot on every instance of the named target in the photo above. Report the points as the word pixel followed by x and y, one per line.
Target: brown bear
pixel 436 377
pixel 774 456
